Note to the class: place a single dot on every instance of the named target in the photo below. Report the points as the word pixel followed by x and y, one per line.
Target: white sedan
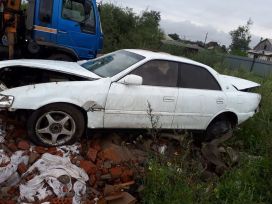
pixel 61 99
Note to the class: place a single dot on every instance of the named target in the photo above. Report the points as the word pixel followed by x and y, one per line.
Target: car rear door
pixel 128 105
pixel 200 98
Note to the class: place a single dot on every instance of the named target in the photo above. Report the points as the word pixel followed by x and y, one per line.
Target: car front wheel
pixel 56 124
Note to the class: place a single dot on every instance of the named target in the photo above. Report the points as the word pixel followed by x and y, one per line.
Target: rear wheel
pixel 218 128
pixel 56 124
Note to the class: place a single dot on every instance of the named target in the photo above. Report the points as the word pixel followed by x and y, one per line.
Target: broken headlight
pixel 6 101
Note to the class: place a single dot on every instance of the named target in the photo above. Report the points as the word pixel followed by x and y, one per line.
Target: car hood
pixel 73 68
pixel 238 83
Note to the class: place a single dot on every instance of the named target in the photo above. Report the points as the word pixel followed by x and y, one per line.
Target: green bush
pixel 247 183
pixel 165 185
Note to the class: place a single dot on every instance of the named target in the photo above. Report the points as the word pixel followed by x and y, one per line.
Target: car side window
pixel 80 12
pixel 45 11
pixel 196 77
pixel 158 73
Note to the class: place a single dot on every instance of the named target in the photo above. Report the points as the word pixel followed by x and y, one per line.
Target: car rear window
pixel 196 77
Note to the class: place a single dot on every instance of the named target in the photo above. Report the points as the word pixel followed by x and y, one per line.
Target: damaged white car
pixel 60 100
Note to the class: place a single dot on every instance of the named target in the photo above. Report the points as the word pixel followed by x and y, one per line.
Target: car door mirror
pixel 132 80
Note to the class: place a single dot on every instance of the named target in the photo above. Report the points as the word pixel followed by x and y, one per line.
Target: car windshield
pixel 113 63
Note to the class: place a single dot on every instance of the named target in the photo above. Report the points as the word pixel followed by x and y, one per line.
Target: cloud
pixel 196 17
pixel 190 31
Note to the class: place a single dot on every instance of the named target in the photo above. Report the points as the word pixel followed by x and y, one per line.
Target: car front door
pixel 200 98
pixel 128 105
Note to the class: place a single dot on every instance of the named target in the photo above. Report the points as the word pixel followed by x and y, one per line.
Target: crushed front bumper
pixel 6 101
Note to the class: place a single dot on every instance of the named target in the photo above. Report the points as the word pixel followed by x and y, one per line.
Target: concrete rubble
pixel 105 169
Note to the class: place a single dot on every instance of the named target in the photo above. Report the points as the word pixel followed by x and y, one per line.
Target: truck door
pixel 44 28
pixel 78 28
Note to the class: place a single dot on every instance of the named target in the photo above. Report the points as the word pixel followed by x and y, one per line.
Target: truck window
pixel 45 13
pixel 80 12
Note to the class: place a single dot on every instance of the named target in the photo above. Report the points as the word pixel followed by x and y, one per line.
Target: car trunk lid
pixel 240 84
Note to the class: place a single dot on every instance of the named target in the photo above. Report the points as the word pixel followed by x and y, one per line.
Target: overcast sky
pixel 192 19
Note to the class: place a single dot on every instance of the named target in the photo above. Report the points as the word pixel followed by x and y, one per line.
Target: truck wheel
pixel 61 57
pixel 55 125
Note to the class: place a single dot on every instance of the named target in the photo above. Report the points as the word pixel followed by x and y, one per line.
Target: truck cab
pixel 66 30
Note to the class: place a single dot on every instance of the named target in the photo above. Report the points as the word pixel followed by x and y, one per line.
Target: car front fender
pixel 85 94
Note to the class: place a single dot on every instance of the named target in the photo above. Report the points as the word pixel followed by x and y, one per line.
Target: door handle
pixel 220 101
pixel 168 99
pixel 63 32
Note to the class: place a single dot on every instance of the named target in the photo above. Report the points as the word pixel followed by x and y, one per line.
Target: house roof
pixel 180 44
pixel 267 39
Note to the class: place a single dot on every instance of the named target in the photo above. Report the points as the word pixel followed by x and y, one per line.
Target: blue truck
pixel 66 30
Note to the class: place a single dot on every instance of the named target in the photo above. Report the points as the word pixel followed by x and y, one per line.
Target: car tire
pixel 56 125
pixel 217 129
pixel 61 57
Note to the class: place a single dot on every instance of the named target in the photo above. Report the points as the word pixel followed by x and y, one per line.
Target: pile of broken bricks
pixel 105 169
pixel 95 171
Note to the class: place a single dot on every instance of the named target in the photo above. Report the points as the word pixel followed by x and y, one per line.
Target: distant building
pixel 262 51
pixel 212 45
pixel 189 48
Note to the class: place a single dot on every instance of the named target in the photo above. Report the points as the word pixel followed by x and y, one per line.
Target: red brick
pixel 116 172
pixel 52 150
pixel 92 154
pixel 127 176
pixel 19 133
pixel 58 153
pixel 99 163
pixel 111 154
pixel 100 155
pixel 97 147
pixel 104 170
pixel 24 145
pixel 88 166
pixel 12 147
pixel 92 180
pixel 7 202
pixel 61 201
pixel 41 150
pixel 12 191
pixel 22 168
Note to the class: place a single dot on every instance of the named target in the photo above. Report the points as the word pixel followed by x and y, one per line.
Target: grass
pixel 248 182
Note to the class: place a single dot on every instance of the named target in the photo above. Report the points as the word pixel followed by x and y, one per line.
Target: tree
pixel 124 29
pixel 174 36
pixel 241 38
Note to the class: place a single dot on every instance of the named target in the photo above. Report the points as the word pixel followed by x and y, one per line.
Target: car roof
pixel 164 56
